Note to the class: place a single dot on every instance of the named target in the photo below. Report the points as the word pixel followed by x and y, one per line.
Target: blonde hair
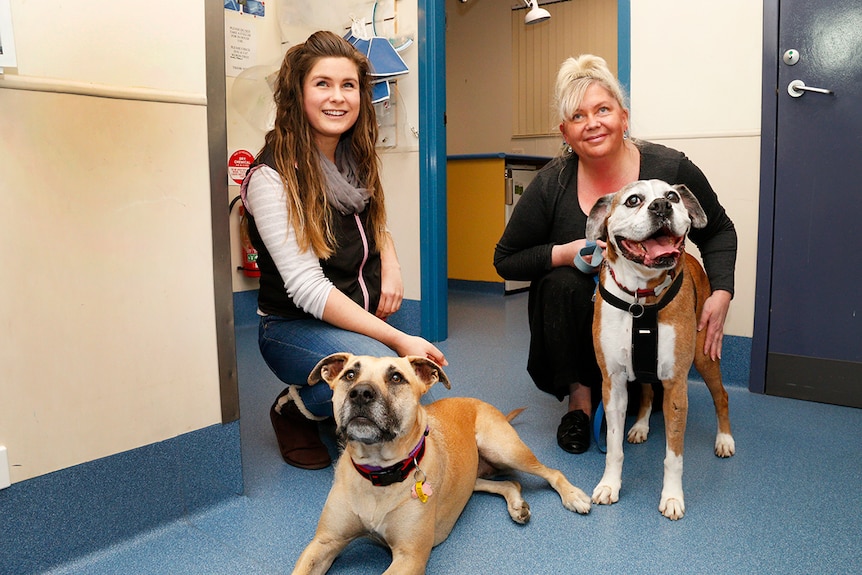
pixel 575 76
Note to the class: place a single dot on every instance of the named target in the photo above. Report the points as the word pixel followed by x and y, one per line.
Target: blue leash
pixel 590 249
pixel 598 418
pixel 590 268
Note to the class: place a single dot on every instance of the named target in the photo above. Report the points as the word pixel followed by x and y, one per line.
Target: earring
pixel 568 148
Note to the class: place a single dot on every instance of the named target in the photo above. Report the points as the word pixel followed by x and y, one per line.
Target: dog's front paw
pixel 576 500
pixel 672 508
pixel 605 494
pixel 724 445
pixel 519 511
pixel 638 433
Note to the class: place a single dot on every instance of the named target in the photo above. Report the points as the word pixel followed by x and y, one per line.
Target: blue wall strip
pixel 432 169
pixel 624 45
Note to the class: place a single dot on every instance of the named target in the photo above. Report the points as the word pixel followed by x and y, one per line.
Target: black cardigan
pixel 549 214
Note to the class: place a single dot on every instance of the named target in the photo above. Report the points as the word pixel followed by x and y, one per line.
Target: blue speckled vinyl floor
pixel 789 502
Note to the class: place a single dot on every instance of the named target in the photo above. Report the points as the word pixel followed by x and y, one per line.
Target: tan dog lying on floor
pixel 651 294
pixel 408 470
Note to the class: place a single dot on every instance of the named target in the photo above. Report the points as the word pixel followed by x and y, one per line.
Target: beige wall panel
pixel 133 43
pixel 586 26
pixel 690 77
pixel 732 166
pixel 108 299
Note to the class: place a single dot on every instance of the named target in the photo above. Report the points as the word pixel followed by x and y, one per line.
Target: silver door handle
pixel 797 87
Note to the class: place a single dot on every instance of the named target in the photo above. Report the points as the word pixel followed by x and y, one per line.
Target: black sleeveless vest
pixel 354 268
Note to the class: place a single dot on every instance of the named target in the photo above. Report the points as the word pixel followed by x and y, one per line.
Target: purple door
pixel 808 317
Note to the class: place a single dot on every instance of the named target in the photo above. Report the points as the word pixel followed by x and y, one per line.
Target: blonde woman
pixel 547 229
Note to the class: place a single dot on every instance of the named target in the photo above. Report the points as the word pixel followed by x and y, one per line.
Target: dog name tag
pixel 422 491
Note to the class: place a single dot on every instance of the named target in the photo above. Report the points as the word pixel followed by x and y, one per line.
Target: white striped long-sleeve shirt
pixel 301 272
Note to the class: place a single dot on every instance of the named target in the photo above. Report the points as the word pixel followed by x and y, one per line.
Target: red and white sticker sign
pixel 238 165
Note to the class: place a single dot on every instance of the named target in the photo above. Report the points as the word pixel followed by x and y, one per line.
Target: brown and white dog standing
pixel 648 272
pixel 408 470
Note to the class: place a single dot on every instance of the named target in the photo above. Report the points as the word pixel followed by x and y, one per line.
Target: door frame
pixel 432 155
pixel 433 306
pixel 768 163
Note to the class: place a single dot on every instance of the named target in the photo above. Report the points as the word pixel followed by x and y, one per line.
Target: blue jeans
pixel 292 348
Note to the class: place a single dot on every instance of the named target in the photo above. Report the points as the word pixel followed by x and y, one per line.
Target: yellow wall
pixel 476 216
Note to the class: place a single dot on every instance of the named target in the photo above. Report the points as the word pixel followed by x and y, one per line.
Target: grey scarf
pixel 344 191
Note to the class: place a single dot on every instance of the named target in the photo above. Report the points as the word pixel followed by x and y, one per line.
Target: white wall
pixel 695 87
pixel 479 82
pixel 108 302
pixel 134 43
pixel 106 305
pixel 246 126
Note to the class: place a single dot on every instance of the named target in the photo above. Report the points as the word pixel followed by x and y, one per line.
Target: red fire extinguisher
pixel 248 253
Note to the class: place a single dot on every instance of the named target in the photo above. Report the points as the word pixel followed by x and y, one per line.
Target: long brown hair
pixel 294 152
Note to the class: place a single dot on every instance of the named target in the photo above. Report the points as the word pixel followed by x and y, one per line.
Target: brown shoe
pixel 298 437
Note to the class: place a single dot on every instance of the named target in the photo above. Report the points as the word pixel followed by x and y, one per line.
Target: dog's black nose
pixel 362 394
pixel 660 207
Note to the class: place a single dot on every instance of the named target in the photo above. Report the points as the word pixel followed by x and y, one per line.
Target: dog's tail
pixel 514 413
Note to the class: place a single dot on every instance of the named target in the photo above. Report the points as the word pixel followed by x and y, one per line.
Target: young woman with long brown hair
pixel 329 273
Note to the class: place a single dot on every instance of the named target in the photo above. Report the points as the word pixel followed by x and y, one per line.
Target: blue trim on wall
pixel 624 45
pixel 735 362
pixel 432 169
pixel 61 516
pixel 477 286
pixel 245 308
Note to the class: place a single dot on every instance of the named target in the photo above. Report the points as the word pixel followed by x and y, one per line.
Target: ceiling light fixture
pixel 536 14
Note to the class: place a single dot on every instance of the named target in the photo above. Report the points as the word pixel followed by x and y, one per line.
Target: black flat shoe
pixel 573 434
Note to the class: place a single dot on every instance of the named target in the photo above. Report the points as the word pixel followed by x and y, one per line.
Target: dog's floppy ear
pixel 597 222
pixel 695 211
pixel 428 371
pixel 328 368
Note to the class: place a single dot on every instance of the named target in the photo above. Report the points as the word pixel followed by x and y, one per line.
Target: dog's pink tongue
pixel 659 247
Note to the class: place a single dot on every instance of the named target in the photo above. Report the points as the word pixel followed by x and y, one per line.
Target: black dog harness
pixel 644 329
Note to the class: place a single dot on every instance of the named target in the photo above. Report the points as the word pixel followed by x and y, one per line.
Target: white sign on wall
pixel 8 58
pixel 240 42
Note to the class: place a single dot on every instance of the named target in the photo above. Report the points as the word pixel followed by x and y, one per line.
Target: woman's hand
pixel 391 292
pixel 564 254
pixel 343 312
pixel 391 284
pixel 415 345
pixel 713 316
